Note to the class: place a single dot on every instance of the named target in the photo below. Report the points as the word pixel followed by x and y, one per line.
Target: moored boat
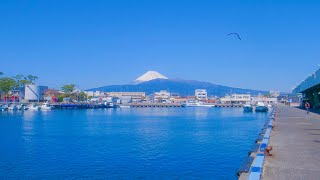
pixel 13 107
pixel 46 106
pixel 261 107
pixel 247 108
pixel 110 105
pixel 23 107
pixel 3 107
pixel 34 107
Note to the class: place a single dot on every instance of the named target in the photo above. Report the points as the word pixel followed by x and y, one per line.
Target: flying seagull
pixel 236 34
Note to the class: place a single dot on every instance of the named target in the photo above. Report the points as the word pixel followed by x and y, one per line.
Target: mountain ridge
pixel 182 87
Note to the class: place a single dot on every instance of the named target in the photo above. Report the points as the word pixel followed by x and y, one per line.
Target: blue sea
pixel 131 143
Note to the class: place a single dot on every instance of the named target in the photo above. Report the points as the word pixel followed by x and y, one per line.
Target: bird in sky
pixel 235 34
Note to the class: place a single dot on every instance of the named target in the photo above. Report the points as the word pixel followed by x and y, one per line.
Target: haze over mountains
pixel 153 81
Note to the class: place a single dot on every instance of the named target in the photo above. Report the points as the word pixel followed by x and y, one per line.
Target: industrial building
pixel 33 93
pixel 310 90
pixel 236 99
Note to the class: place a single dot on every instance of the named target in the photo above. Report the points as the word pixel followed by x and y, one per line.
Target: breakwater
pixel 133 105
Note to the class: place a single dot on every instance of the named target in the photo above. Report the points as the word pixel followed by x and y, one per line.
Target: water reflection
pixel 30 115
pixel 153 142
pixel 201 113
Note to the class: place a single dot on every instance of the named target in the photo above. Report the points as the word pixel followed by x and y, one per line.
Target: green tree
pixel 1 73
pixel 61 96
pixel 31 78
pixel 267 95
pixel 82 96
pixel 6 85
pixel 22 80
pixel 68 89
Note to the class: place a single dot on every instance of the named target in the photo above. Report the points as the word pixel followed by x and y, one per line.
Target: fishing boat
pixel 13 107
pixel 110 105
pixel 261 107
pixel 247 108
pixel 46 106
pixel 34 107
pixel 3 107
pixel 23 107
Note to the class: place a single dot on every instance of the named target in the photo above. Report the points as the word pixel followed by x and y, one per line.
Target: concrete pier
pixel 296 146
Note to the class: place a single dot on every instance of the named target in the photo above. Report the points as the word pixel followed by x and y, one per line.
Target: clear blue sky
pixel 95 43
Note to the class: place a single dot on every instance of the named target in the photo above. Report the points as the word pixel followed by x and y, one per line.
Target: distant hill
pixel 182 87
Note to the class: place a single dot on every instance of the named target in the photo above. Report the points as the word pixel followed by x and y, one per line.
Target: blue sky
pixel 96 43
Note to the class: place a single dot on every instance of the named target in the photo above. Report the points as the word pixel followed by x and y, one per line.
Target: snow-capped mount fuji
pixel 149 76
pixel 153 81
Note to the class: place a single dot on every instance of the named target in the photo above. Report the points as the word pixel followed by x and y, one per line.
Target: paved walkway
pixel 296 146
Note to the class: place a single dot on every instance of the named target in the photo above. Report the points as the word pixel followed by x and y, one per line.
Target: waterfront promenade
pixel 296 146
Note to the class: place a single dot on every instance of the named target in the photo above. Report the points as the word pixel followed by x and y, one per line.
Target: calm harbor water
pixel 145 143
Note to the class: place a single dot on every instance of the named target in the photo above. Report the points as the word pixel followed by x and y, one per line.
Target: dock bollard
pixel 267 151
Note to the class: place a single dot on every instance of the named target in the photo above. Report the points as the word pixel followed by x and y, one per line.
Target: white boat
pixel 197 104
pixel 23 107
pixel 3 107
pixel 247 108
pixel 110 105
pixel 13 107
pixel 46 106
pixel 34 107
pixel 261 107
pixel 125 106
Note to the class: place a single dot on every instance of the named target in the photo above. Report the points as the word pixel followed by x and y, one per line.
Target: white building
pixel 201 94
pixel 263 99
pixel 94 93
pixel 34 92
pixel 135 96
pixel 274 94
pixel 236 99
pixel 126 99
pixel 162 96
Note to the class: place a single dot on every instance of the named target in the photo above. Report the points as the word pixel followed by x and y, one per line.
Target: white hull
pixel 46 107
pixel 13 108
pixel 23 108
pixel 125 106
pixel 3 108
pixel 198 105
pixel 34 108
